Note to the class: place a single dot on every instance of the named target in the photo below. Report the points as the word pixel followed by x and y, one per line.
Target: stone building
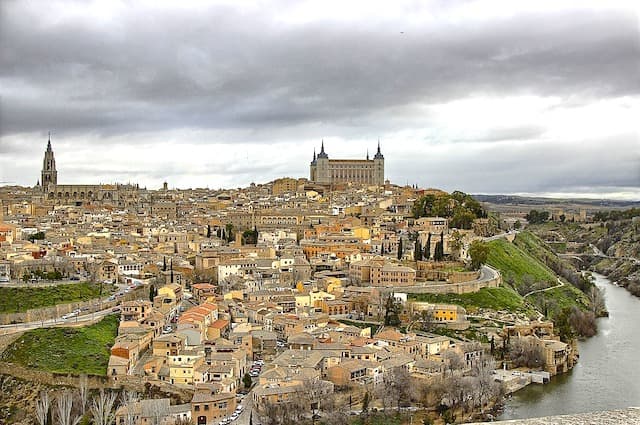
pixel 327 171
pixel 79 194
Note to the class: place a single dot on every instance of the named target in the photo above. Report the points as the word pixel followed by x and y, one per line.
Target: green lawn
pixel 514 263
pixel 502 298
pixel 559 298
pixel 13 300
pixel 66 350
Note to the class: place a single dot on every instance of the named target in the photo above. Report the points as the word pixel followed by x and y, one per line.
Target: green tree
pixel 537 217
pixel 36 236
pixel 365 402
pixel 417 251
pixel 456 243
pixel 229 232
pixel 427 248
pixel 400 249
pixel 438 252
pixel 517 225
pixel 478 251
pixel 391 311
pixel 462 219
pixel 246 380
pixel 250 237
pixel 208 230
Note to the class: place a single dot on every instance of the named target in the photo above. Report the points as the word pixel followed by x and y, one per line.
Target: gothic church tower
pixel 49 175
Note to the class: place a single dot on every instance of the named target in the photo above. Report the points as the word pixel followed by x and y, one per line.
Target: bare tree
pixel 128 399
pixel 314 391
pixel 454 393
pixel 287 412
pixel 42 408
pixel 102 408
pixel 428 319
pixel 485 385
pixel 64 409
pixel 156 410
pixel 454 360
pixel 83 392
pixel 525 352
pixel 336 409
pixel 596 299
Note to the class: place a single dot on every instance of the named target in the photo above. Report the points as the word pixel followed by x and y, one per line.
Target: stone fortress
pixel 323 170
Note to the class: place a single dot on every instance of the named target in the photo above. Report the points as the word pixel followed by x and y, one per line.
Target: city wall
pixel 58 310
pixel 452 288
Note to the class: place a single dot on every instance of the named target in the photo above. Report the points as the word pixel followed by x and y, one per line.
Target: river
pixel 606 377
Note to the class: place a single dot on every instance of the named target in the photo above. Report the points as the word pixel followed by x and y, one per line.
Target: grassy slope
pixel 560 298
pixel 66 350
pixel 14 300
pixel 515 263
pixel 502 298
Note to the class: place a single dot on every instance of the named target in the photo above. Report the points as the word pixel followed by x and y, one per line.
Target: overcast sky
pixel 537 97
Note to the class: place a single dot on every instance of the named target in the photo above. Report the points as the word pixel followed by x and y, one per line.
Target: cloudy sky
pixel 483 96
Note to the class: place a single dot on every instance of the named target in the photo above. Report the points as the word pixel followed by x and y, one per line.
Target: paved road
pixel 19 327
pixel 500 236
pixel 560 283
pixel 243 419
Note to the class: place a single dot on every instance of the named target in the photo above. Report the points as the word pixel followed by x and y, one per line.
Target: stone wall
pixel 136 383
pixel 59 310
pixel 453 288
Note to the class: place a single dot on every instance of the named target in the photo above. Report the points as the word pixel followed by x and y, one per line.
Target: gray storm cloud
pixel 244 77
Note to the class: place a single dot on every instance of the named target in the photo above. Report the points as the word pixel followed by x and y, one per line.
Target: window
pixel 206 407
pixel 197 408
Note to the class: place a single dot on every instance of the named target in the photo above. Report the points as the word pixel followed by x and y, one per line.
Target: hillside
pixel 518 266
pixel 531 268
pixel 65 350
pixel 14 300
pixel 617 243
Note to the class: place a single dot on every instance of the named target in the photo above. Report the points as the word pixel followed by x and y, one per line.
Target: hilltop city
pixel 335 298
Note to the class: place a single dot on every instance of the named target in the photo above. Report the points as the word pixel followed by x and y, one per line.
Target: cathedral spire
pixel 378 153
pixel 49 174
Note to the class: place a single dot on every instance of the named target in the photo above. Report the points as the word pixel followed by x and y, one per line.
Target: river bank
pixel 607 376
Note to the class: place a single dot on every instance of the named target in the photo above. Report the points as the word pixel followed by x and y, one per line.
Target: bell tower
pixel 49 174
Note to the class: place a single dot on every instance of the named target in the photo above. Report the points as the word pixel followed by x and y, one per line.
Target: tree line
pixel 460 208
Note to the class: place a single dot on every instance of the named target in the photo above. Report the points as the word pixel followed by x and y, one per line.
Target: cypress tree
pixel 400 249
pixel 427 248
pixel 417 251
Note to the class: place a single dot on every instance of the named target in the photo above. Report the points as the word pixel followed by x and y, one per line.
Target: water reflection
pixel 607 375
